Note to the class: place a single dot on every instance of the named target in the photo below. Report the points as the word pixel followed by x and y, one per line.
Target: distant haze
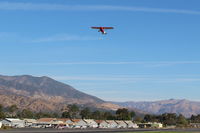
pixel 185 107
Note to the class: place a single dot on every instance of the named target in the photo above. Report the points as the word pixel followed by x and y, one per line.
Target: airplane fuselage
pixel 102 30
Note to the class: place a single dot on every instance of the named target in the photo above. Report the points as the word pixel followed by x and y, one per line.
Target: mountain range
pixel 47 94
pixel 178 106
pixel 44 94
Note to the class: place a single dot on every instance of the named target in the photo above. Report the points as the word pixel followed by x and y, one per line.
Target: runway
pixel 31 130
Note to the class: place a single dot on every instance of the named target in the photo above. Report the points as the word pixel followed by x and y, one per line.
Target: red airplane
pixel 102 29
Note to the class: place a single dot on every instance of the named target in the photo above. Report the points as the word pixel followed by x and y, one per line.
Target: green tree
pixel 85 113
pixel 132 114
pixel 123 114
pixel 1 108
pixel 192 119
pixel 169 119
pixel 181 121
pixel 55 115
pixel 108 116
pixel 46 115
pixel 195 119
pixel 73 110
pixel 2 114
pixel 13 110
pixel 148 118
pixel 26 113
pixel 66 114
pixel 97 115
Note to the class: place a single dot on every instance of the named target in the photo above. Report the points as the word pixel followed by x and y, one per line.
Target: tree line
pixel 86 113
pixel 74 111
pixel 168 119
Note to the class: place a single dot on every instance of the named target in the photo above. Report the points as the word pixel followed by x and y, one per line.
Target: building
pixel 29 122
pixel 150 125
pixel 12 122
pixel 102 123
pixel 111 124
pixel 121 124
pixel 130 124
pixel 46 122
pixel 195 125
pixel 91 123
pixel 66 122
pixel 79 123
pixel 156 125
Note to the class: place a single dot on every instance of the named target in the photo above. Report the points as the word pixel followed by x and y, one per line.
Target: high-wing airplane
pixel 102 29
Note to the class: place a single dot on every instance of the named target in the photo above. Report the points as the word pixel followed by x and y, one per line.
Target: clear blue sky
pixel 152 54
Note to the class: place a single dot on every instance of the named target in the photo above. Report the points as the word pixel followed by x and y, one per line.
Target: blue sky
pixel 152 54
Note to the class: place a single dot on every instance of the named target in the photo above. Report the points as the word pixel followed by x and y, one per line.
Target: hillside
pixel 185 107
pixel 44 94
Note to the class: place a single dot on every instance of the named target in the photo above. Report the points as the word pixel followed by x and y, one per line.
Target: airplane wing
pixel 95 27
pixel 107 27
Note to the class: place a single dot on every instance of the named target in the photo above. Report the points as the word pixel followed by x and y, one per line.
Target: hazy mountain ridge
pixel 44 94
pixel 183 106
